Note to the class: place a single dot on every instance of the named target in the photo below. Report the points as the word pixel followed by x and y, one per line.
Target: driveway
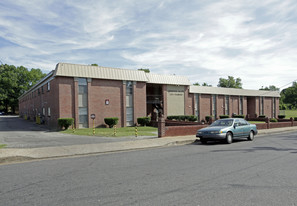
pixel 19 133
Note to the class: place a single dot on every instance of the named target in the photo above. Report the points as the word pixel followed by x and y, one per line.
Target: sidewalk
pixel 13 155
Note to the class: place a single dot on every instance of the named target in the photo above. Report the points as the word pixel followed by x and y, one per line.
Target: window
pixel 129 103
pixel 48 86
pixel 197 106
pixel 43 111
pixel 241 106
pixel 227 105
pixel 49 111
pixel 214 106
pixel 42 90
pixel 83 102
pixel 261 105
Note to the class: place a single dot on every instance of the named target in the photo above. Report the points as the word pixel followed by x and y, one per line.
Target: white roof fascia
pixel 98 72
pixel 167 79
pixel 232 91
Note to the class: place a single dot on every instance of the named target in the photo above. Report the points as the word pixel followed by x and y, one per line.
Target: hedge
pixel 191 118
pixel 238 116
pixel 224 116
pixel 65 122
pixel 281 116
pixel 143 121
pixel 262 116
pixel 273 120
pixel 295 118
pixel 111 121
pixel 208 118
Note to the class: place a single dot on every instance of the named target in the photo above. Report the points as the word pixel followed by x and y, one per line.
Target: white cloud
pixel 204 40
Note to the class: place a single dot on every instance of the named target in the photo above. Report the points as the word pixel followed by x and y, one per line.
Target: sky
pixel 202 39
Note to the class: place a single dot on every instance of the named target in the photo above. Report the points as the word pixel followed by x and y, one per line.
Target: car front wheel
pixel 251 136
pixel 229 138
pixel 203 141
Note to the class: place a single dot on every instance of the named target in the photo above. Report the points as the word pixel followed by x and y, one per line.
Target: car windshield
pixel 223 122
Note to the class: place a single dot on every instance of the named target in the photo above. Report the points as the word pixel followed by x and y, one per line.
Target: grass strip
pixel 109 132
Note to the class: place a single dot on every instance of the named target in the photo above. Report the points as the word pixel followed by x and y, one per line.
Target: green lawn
pixel 288 113
pixel 2 145
pixel 120 132
pixel 256 122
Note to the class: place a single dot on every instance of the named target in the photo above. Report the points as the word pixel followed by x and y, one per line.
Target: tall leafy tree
pixel 230 82
pixel 270 88
pixel 14 81
pixel 289 96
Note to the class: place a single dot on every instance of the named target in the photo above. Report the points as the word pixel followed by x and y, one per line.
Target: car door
pixel 237 131
pixel 245 127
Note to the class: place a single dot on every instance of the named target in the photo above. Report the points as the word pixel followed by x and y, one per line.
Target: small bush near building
pixel 208 118
pixel 295 118
pixel 111 121
pixel 224 116
pixel 190 118
pixel 239 116
pixel 143 121
pixel 281 116
pixel 262 116
pixel 65 122
pixel 273 120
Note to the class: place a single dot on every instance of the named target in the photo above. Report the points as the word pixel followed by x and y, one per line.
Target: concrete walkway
pixel 13 155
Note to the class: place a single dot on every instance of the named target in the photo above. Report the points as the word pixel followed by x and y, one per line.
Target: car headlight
pixel 216 132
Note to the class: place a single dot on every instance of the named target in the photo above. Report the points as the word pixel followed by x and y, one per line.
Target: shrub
pixel 111 121
pixel 239 116
pixel 224 116
pixel 143 121
pixel 192 118
pixel 262 116
pixel 281 116
pixel 295 118
pixel 208 118
pixel 65 122
pixel 273 120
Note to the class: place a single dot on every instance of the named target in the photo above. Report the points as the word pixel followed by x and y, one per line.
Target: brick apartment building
pixel 77 91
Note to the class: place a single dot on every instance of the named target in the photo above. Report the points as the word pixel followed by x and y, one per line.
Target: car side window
pixel 242 122
pixel 236 123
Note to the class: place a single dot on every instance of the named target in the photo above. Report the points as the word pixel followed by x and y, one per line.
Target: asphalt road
pixel 262 172
pixel 19 133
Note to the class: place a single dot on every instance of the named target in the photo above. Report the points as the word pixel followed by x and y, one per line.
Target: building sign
pixel 107 102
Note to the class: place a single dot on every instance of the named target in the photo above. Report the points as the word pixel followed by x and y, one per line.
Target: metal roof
pixel 98 72
pixel 232 91
pixel 167 79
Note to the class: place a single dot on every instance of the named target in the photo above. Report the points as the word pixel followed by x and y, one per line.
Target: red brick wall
pixel 189 102
pixel 139 100
pixel 99 91
pixel 32 105
pixel 234 104
pixel 220 105
pixel 268 107
pixel 205 105
pixel 182 130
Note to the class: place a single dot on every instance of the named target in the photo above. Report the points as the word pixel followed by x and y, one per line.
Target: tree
pixel 206 85
pixel 94 65
pixel 230 82
pixel 14 81
pixel 196 84
pixel 270 88
pixel 145 70
pixel 289 96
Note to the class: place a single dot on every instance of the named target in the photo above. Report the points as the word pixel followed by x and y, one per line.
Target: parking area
pixel 19 133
